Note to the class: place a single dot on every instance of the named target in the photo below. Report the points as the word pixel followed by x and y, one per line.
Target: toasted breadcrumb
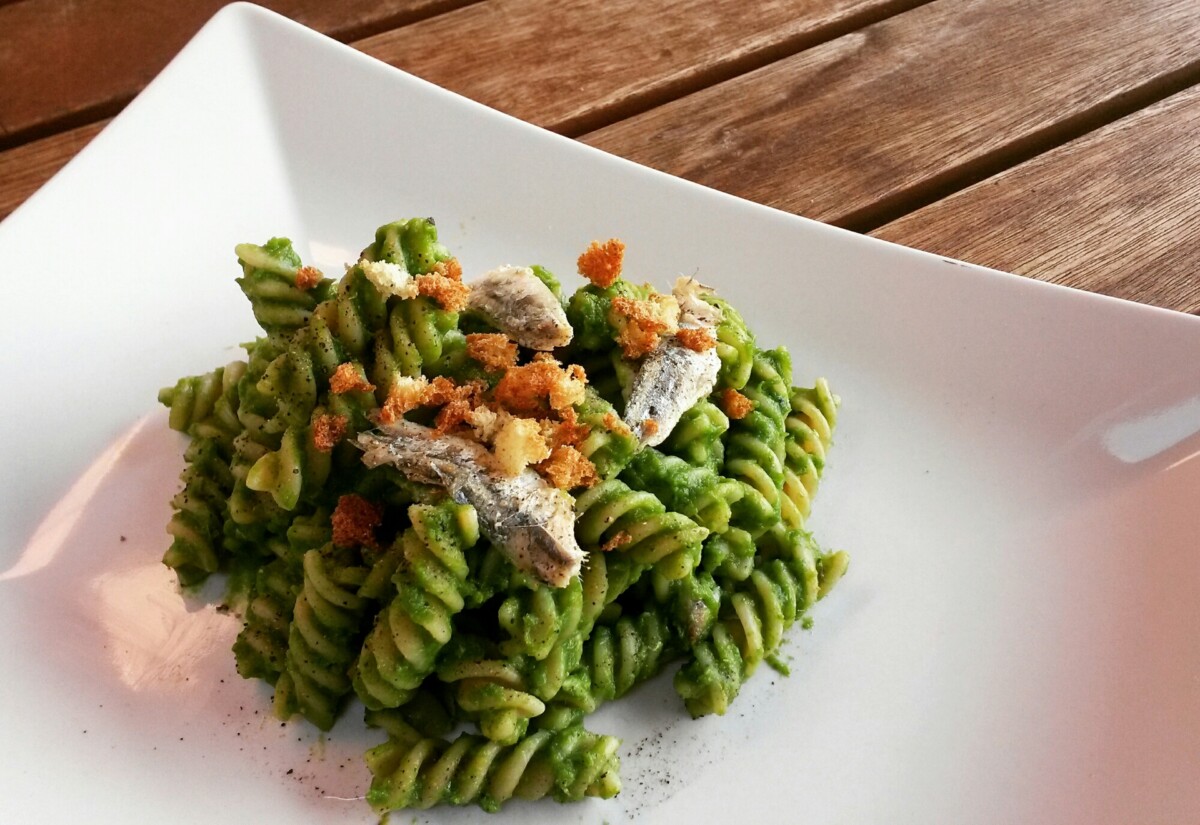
pixel 456 400
pixel 450 294
pixel 619 540
pixel 735 404
pixel 567 468
pixel 486 422
pixel 697 339
pixel 613 423
pixel 533 386
pixel 349 377
pixel 406 393
pixel 493 350
pixel 307 277
pixel 441 390
pixel 600 263
pixel 519 444
pixel 639 323
pixel 354 521
pixel 389 278
pixel 649 427
pixel 449 268
pixel 567 432
pixel 327 431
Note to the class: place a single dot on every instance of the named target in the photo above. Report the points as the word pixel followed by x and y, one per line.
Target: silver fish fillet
pixel 531 521
pixel 516 302
pixel 672 378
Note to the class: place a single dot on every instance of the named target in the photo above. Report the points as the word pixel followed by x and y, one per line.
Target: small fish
pixel 519 304
pixel 673 378
pixel 531 521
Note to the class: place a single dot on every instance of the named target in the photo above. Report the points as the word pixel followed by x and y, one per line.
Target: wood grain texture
pixel 577 64
pixel 24 169
pixel 856 127
pixel 1117 211
pixel 64 62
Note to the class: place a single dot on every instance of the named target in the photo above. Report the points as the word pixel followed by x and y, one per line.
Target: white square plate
pixel 1018 639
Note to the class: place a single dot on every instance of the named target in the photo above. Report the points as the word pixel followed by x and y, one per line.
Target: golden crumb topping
pixel 449 268
pixel 518 444
pixel 697 339
pixel 354 521
pixel 613 423
pixel 493 350
pixel 543 383
pixel 600 263
pixel 486 423
pixel 450 294
pixel 459 401
pixel 640 323
pixel 406 393
pixel 307 277
pixel 735 404
pixel 567 432
pixel 327 431
pixel 567 468
pixel 349 377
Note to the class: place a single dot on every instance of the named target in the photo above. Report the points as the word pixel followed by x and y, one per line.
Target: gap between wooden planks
pixel 568 66
pixel 67 63
pixel 1117 212
pixel 864 126
pixel 561 64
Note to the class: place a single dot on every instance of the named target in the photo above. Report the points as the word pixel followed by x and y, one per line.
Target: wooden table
pixel 1059 139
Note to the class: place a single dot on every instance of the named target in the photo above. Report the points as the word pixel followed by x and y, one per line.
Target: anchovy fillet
pixel 519 304
pixel 672 378
pixel 531 521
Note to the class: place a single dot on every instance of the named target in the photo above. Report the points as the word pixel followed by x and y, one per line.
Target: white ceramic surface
pixel 1015 475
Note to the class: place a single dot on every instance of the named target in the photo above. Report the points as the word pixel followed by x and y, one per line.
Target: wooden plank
pixel 24 169
pixel 1117 211
pixel 578 64
pixel 62 63
pixel 855 128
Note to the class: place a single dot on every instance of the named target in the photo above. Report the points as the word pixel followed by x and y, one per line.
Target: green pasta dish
pixel 496 505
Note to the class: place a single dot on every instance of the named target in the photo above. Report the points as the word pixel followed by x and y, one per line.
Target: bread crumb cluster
pixel 641 322
pixel 354 521
pixel 307 277
pixel 736 405
pixel 349 377
pixel 601 263
pixel 328 430
pixel 697 339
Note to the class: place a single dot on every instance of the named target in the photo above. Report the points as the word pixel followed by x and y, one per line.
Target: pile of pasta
pixel 357 582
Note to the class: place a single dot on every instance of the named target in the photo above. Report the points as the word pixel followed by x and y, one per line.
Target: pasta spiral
pixel 567 765
pixel 286 473
pixel 269 281
pixel 754 450
pixel 752 623
pixel 323 639
pixel 697 492
pixel 735 347
pixel 261 647
pixel 538 617
pixel 609 450
pixel 493 692
pixel 697 437
pixel 401 649
pixel 810 423
pixel 195 550
pixel 205 406
pixel 668 541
